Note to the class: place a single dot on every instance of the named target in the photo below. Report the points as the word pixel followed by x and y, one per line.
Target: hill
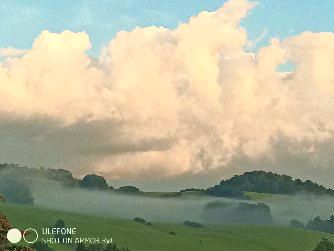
pixel 265 182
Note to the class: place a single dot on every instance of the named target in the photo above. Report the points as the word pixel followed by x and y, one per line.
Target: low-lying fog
pixel 50 194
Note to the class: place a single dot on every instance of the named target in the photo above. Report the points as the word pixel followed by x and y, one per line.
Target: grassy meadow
pixel 136 236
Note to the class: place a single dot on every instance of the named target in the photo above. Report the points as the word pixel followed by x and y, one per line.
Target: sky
pixel 22 21
pixel 168 94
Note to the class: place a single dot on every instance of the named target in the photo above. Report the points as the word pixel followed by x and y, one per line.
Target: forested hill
pixel 266 182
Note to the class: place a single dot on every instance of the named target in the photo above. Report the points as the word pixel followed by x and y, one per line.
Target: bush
pixel 81 247
pixel 40 246
pixel 192 224
pixel 139 220
pixel 324 245
pixel 95 247
pixel 99 247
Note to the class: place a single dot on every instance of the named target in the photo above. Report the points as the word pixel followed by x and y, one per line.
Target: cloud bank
pixel 159 103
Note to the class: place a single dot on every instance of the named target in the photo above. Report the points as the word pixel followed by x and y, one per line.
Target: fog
pixel 302 207
pixel 14 187
pixel 53 195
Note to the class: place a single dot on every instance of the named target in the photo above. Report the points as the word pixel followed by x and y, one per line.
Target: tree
pixel 324 245
pixel 6 225
pixel 317 224
pixel 129 189
pixel 61 224
pixel 242 212
pixel 296 224
pixel 93 181
pixel 16 189
pixel 252 213
pixel 226 191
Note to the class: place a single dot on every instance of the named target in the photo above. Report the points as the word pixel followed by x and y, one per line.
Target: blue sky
pixel 22 21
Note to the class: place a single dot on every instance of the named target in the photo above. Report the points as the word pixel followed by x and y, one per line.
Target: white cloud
pixel 163 102
pixel 11 52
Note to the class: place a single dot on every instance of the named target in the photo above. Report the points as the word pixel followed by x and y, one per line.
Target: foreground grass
pixel 157 237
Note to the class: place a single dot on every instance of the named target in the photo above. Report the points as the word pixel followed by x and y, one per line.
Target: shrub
pixel 192 224
pixel 100 247
pixel 40 246
pixel 139 220
pixel 324 245
pixel 80 247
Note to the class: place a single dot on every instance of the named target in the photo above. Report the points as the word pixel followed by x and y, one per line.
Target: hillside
pixel 157 237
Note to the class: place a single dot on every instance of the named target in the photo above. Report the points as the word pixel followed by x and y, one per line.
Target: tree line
pixel 17 190
pixel 315 224
pixel 15 182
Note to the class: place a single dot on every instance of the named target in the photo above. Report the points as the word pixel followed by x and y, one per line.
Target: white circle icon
pixel 30 230
pixel 14 235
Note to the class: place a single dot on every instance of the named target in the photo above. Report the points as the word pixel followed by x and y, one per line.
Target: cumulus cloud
pixel 10 52
pixel 161 102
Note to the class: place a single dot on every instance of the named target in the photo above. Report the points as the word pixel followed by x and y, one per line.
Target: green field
pixel 266 196
pixel 137 236
pixel 173 194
